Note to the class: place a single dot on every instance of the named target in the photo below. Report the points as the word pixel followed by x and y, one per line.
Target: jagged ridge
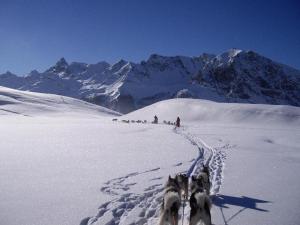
pixel 234 76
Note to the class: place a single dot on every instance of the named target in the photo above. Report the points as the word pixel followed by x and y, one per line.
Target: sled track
pixel 208 156
pixel 129 206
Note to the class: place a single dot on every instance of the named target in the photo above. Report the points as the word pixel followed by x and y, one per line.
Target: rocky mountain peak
pixel 8 73
pixel 117 66
pixel 60 66
pixel 62 62
pixel 233 76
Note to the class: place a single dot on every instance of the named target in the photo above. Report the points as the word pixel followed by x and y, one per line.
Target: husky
pixel 204 176
pixel 171 203
pixel 183 182
pixel 200 203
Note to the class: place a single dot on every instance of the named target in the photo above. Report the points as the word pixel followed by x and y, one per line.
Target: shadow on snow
pixel 225 201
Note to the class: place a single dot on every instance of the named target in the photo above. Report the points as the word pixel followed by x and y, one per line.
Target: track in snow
pixel 128 207
pixel 131 206
pixel 208 156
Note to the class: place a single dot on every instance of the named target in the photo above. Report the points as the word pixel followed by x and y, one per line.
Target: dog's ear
pixel 205 169
pixel 193 202
pixel 170 178
pixel 193 178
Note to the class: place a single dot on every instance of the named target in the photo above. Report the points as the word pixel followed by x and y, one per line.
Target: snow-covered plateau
pixel 64 161
pixel 233 76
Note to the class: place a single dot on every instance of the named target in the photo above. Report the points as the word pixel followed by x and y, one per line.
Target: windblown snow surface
pixel 65 162
pixel 25 103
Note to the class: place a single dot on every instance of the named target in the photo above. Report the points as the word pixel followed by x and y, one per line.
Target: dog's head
pixel 182 179
pixel 172 183
pixel 197 184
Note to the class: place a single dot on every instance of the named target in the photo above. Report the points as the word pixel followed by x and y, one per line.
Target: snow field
pixel 67 162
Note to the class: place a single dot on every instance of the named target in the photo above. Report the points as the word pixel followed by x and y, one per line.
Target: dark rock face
pixel 152 99
pixel 234 76
pixel 224 76
pixel 124 104
pixel 60 66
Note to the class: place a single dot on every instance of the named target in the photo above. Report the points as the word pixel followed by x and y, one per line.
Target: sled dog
pixel 204 175
pixel 183 182
pixel 171 203
pixel 200 203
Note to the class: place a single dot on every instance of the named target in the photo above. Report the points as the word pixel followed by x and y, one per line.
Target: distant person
pixel 178 122
pixel 155 119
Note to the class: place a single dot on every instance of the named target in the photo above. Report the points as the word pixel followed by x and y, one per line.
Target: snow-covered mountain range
pixel 234 76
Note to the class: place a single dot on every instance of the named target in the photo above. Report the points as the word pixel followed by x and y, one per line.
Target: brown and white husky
pixel 171 203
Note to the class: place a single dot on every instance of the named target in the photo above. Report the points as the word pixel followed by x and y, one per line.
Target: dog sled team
pixel 177 123
pixel 200 203
pixel 155 121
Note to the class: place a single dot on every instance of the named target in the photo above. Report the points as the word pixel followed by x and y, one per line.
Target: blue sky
pixel 34 34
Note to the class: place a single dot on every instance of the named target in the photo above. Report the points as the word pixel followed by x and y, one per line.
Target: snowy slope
pixel 26 103
pixel 203 111
pixel 252 151
pixel 63 169
pixel 53 165
pixel 233 76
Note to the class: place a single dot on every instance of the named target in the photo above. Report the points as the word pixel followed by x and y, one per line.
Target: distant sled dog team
pixel 200 202
pixel 155 121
